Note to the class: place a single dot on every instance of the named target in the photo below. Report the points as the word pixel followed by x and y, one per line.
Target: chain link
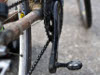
pixel 47 29
pixel 38 58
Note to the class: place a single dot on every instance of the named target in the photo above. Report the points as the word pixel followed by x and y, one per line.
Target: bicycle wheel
pixel 25 43
pixel 57 27
pixel 86 13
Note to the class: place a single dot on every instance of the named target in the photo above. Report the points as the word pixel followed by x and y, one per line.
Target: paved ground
pixel 76 43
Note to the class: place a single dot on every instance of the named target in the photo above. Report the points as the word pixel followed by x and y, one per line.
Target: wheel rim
pixel 83 11
pixel 86 13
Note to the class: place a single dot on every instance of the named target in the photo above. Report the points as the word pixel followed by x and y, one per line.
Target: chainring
pixel 49 19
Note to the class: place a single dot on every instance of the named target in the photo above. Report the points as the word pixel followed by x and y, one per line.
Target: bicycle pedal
pixel 74 65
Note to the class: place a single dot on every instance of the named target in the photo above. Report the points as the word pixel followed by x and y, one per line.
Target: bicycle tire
pixel 25 45
pixel 57 27
pixel 86 12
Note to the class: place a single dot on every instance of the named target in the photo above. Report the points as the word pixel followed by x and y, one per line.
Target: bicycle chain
pixel 47 29
pixel 38 58
pixel 47 19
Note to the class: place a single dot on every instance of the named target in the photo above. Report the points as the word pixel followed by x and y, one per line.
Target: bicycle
pixel 53 21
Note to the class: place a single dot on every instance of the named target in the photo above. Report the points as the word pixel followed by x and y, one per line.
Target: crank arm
pixel 72 65
pixel 4 66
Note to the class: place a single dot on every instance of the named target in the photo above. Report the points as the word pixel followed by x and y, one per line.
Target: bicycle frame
pixel 25 42
pixel 12 33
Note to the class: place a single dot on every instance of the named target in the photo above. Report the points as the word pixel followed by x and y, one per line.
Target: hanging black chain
pixel 47 17
pixel 38 58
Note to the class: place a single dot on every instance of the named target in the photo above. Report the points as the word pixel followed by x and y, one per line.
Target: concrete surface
pixel 76 42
